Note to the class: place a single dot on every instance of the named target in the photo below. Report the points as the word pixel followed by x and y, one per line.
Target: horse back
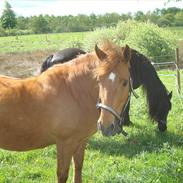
pixel 60 57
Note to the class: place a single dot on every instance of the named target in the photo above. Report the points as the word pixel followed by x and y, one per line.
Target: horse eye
pixel 125 82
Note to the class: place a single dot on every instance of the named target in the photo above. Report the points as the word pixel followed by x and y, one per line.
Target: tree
pixel 139 16
pixel 179 19
pixel 8 18
pixel 39 25
pixel 22 23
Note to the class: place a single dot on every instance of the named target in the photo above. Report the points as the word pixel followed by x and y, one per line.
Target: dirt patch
pixel 22 64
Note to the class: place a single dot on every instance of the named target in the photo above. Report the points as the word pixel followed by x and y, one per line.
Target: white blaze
pixel 112 76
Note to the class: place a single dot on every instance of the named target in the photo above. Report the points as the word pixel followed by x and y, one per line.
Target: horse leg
pixel 65 152
pixel 127 121
pixel 78 162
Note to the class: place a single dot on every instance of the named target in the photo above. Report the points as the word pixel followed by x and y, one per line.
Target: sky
pixel 74 7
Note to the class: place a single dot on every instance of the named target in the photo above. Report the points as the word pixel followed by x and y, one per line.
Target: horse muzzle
pixel 111 130
pixel 115 127
pixel 162 125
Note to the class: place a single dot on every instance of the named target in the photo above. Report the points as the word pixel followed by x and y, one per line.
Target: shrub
pixel 96 36
pixel 2 32
pixel 149 39
pixel 14 32
pixel 154 42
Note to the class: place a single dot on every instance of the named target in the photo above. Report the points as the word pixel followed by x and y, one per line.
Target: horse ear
pixel 127 53
pixel 100 54
pixel 170 95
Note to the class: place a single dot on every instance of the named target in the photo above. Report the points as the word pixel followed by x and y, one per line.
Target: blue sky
pixel 74 7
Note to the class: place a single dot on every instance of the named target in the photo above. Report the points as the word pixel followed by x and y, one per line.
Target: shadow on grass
pixel 144 141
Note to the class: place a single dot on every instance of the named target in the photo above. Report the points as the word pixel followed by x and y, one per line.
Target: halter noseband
pixel 120 117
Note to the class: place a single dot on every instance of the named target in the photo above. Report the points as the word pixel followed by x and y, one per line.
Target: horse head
pixel 161 116
pixel 112 74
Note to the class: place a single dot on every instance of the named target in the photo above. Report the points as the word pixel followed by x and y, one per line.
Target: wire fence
pixel 173 77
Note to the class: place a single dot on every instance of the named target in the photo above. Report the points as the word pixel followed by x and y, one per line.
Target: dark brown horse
pixel 61 57
pixel 59 106
pixel 142 73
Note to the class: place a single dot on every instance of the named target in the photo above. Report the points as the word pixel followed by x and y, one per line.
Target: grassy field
pixel 144 156
pixel 178 31
pixel 51 41
pixel 40 42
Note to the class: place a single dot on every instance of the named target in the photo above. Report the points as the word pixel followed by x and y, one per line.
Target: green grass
pixel 144 156
pixel 40 42
pixel 178 31
pixel 51 41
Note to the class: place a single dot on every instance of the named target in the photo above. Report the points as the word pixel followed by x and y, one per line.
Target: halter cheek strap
pixel 132 90
pixel 120 117
pixel 109 109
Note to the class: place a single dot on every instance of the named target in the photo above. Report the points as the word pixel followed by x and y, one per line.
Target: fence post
pixel 177 61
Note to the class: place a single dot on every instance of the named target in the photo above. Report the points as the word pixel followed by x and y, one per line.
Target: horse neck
pixel 144 73
pixel 80 80
pixel 149 79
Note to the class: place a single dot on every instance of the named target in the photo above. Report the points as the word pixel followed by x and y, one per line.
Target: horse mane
pixel 155 90
pixel 114 56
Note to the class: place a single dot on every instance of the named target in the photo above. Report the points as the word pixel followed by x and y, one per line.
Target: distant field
pixel 178 31
pixel 40 42
pixel 51 41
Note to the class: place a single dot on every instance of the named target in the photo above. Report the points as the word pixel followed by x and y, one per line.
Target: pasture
pixel 44 42
pixel 39 42
pixel 144 156
pixel 178 31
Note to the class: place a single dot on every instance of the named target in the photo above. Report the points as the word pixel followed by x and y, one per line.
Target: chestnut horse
pixel 59 106
pixel 142 74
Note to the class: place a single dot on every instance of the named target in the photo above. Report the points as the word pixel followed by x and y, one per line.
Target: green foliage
pixel 22 23
pixel 147 38
pixel 8 18
pixel 58 24
pixel 20 43
pixel 39 25
pixel 2 32
pixel 157 43
pixel 96 36
pixel 179 19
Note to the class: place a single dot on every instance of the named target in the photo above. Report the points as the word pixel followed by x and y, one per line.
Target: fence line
pixel 176 63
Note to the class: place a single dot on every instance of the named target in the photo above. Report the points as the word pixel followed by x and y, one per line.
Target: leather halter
pixel 120 117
